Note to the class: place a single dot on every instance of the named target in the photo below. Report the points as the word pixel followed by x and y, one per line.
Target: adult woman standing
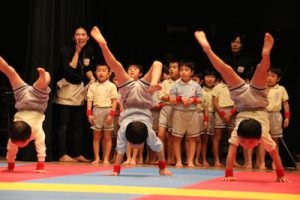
pixel 75 67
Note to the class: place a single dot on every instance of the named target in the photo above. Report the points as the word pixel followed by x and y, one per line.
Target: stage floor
pixel 86 181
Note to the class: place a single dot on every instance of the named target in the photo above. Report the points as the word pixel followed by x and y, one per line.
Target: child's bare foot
pixel 132 162
pixel 201 38
pixel 66 158
pixel 273 166
pixel 179 164
pixel 43 80
pixel 197 163
pixel 140 161
pixel 247 166
pixel 96 34
pixel 268 44
pixel 96 161
pixel 191 164
pixel 205 164
pixel 154 162
pixel 218 164
pixel 106 162
pixel 236 164
pixel 126 162
pixel 262 167
pixel 81 159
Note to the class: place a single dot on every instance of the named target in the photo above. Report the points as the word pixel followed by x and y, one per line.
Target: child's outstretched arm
pixel 230 163
pixel 229 75
pixel 110 59
pixel 13 77
pixel 279 168
pixel 259 78
pixel 153 76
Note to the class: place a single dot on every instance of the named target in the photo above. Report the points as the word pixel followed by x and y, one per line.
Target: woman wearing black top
pixel 75 67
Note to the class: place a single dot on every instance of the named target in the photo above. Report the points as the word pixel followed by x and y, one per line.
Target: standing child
pixel 277 98
pixel 31 103
pixel 186 94
pixel 102 98
pixel 166 113
pixel 135 120
pixel 252 124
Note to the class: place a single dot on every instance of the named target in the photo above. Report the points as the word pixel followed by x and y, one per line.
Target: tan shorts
pixel 275 120
pixel 210 128
pixel 166 117
pixel 155 117
pixel 186 122
pixel 99 115
pixel 220 123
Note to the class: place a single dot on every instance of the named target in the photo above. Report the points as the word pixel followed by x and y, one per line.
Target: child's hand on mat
pixel 229 178
pixel 40 171
pixel 165 172
pixel 282 179
pixel 113 174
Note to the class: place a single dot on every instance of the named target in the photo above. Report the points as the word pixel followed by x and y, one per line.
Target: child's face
pixel 272 79
pixel 248 143
pixel 134 72
pixel 197 79
pixel 209 81
pixel 21 144
pixel 173 70
pixel 102 73
pixel 185 73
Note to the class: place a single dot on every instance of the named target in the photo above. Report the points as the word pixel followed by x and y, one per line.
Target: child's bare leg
pixel 259 78
pixel 96 146
pixel 107 146
pixel 177 151
pixel 153 76
pixel 228 74
pixel 135 152
pixel 44 79
pixel 13 77
pixel 128 154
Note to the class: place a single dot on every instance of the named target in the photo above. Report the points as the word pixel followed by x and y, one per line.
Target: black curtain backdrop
pixel 32 31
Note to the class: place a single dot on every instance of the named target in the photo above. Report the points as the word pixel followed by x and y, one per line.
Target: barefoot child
pixel 135 120
pixel 252 125
pixel 31 103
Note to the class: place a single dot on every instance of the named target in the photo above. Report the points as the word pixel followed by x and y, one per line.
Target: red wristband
pixel 11 165
pixel 178 99
pixel 195 100
pixel 228 173
pixel 287 115
pixel 280 172
pixel 233 111
pixel 222 114
pixel 112 113
pixel 161 104
pixel 40 165
pixel 117 168
pixel 162 165
pixel 88 112
pixel 206 118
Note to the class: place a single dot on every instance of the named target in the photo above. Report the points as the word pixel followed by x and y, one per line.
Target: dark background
pixel 32 31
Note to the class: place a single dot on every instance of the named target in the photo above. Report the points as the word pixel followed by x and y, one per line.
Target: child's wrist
pixel 88 112
pixel 11 165
pixel 161 104
pixel 222 114
pixel 112 113
pixel 40 165
pixel 162 165
pixel 195 100
pixel 206 118
pixel 117 169
pixel 233 111
pixel 280 172
pixel 178 99
pixel 287 115
pixel 228 172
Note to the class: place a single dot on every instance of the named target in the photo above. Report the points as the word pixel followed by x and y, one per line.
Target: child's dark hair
pixel 276 70
pixel 249 128
pixel 102 64
pixel 19 131
pixel 140 67
pixel 188 64
pixel 136 132
pixel 210 72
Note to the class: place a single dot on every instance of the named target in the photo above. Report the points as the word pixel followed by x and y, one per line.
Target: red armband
pixel 178 99
pixel 287 115
pixel 162 165
pixel 233 111
pixel 195 100
pixel 222 114
pixel 88 112
pixel 228 172
pixel 112 113
pixel 117 168
pixel 40 165
pixel 11 165
pixel 206 118
pixel 161 104
pixel 280 172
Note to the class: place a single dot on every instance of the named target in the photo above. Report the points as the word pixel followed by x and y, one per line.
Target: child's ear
pixel 278 79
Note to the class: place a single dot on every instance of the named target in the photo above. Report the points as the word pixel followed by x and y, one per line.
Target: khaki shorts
pixel 220 123
pixel 186 122
pixel 275 120
pixel 155 118
pixel 166 117
pixel 99 115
